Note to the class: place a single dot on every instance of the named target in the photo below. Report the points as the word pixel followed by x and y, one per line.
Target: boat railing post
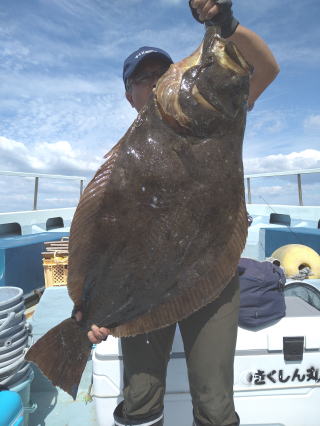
pixel 300 189
pixel 81 187
pixel 249 190
pixel 35 196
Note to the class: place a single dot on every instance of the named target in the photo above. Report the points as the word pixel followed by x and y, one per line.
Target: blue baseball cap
pixel 135 59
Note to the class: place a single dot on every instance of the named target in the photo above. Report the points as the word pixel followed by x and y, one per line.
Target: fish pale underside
pixel 159 230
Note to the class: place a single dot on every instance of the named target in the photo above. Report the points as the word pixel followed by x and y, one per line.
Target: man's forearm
pixel 258 54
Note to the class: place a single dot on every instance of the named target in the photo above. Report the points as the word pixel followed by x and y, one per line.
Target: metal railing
pixel 248 178
pixel 37 176
pixel 297 173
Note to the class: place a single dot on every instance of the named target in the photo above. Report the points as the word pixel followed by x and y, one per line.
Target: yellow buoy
pixel 294 257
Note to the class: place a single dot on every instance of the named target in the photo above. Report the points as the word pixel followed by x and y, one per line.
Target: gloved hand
pixel 215 12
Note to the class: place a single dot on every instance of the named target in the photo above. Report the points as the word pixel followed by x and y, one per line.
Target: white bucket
pixel 13 343
pixel 11 336
pixel 11 306
pixel 14 335
pixel 11 363
pixel 15 313
pixel 10 329
pixel 10 297
pixel 18 375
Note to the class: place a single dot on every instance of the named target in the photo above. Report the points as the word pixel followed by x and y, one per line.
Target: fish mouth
pixel 222 72
pixel 209 79
pixel 202 100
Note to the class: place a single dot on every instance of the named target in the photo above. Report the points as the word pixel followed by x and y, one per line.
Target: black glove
pixel 224 18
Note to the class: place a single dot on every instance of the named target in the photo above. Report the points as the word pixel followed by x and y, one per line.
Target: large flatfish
pixel 160 228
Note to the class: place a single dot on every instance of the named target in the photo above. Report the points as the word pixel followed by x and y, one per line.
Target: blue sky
pixel 62 98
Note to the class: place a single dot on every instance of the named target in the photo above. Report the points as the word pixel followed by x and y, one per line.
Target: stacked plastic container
pixel 11 413
pixel 16 374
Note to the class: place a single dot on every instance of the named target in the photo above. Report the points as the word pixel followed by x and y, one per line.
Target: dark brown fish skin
pixel 166 214
pixel 170 199
pixel 159 230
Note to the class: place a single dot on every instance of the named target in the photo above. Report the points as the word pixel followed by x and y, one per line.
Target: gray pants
pixel 209 338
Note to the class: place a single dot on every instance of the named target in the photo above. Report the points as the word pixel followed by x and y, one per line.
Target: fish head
pixel 206 93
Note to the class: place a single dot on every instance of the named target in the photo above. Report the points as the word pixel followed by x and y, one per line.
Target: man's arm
pixel 258 54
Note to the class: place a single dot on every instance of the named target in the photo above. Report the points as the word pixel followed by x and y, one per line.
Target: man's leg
pixel 209 337
pixel 145 359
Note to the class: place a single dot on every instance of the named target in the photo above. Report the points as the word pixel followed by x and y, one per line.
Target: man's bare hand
pixel 96 334
pixel 206 9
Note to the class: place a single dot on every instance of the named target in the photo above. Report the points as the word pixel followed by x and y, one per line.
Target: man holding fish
pixel 158 232
pixel 209 335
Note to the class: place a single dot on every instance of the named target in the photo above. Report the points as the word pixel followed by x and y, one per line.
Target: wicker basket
pixel 55 263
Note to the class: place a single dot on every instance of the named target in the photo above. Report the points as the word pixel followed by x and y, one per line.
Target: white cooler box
pixel 277 374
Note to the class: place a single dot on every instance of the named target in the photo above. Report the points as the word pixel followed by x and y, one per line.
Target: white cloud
pixel 174 2
pixel 306 159
pixel 11 146
pixel 33 84
pixel 312 122
pixel 62 101
pixel 297 52
pixel 54 158
pixel 256 8
pixel 267 121
pixel 59 157
pixel 62 111
pixel 270 190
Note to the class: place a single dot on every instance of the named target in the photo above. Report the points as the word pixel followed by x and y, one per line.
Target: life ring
pixel 294 257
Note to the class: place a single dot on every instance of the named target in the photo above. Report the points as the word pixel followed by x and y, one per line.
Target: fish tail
pixel 62 354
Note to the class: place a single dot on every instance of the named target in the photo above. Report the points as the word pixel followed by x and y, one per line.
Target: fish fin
pixel 83 249
pixel 62 354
